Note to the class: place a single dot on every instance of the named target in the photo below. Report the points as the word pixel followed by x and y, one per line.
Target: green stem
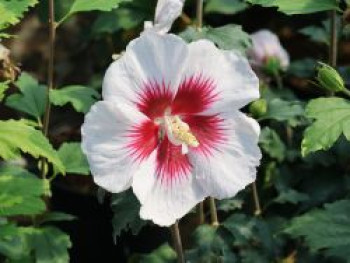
pixel 199 14
pixel 278 80
pixel 333 47
pixel 50 75
pixel 213 212
pixel 257 211
pixel 201 212
pixel 175 233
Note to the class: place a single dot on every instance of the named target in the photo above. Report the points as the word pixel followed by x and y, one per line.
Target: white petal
pixel 104 143
pixel 236 82
pixel 164 203
pixel 233 165
pixel 167 12
pixel 266 44
pixel 151 57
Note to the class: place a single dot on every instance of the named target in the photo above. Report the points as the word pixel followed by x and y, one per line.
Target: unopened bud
pixel 258 108
pixel 329 78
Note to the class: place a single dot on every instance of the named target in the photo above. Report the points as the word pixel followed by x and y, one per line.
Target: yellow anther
pixel 181 132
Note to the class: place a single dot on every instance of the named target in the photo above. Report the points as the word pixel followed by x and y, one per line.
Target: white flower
pixel 266 45
pixel 167 12
pixel 169 125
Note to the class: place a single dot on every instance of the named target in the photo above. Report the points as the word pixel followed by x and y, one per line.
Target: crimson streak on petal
pixel 154 99
pixel 144 139
pixel 171 163
pixel 195 94
pixel 209 131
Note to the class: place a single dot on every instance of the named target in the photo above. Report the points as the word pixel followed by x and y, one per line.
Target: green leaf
pixel 85 6
pixel 332 118
pixel 118 19
pixel 227 7
pixel 298 6
pixel 303 68
pixel 163 254
pixel 228 205
pixel 282 110
pixel 12 244
pixel 317 34
pixel 21 195
pixel 291 196
pixel 47 244
pixel 212 244
pixel 56 217
pixel 33 97
pixel 226 37
pixel 272 144
pixel 3 87
pixel 15 171
pixel 73 158
pixel 16 135
pixel 11 11
pixel 126 208
pixel 326 228
pixel 79 96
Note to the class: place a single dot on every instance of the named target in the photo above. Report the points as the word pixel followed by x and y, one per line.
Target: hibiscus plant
pixel 185 130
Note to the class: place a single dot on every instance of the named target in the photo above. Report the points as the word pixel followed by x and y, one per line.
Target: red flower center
pixel 176 122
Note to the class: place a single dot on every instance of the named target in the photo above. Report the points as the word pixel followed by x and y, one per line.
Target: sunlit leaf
pixel 11 11
pixel 21 195
pixel 16 136
pixel 85 6
pixel 332 118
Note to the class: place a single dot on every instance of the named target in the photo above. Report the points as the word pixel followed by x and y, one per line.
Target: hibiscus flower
pixel 267 48
pixel 169 125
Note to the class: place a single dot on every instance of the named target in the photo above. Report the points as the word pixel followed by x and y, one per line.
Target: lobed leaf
pixel 126 207
pixel 227 7
pixel 80 97
pixel 298 6
pixel 332 118
pixel 326 228
pixel 33 98
pixel 85 6
pixel 226 37
pixel 11 11
pixel 21 195
pixel 73 158
pixel 16 136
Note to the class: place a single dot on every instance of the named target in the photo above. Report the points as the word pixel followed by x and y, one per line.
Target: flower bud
pixel 258 108
pixel 267 48
pixel 329 78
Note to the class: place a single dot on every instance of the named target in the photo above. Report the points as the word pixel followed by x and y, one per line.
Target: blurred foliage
pixel 303 180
